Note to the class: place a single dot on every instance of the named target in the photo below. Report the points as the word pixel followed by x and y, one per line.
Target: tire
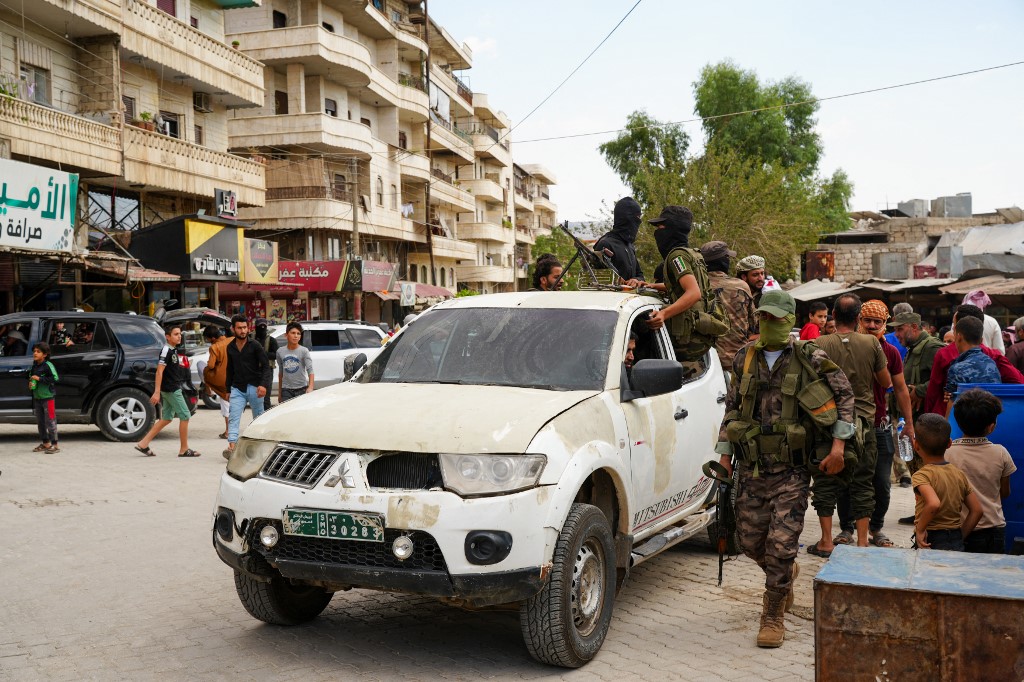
pixel 566 622
pixel 125 414
pixel 279 602
pixel 211 401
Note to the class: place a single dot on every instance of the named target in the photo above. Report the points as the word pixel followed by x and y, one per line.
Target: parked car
pixel 107 368
pixel 496 452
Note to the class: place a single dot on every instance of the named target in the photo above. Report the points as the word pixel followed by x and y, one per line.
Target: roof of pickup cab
pixel 576 300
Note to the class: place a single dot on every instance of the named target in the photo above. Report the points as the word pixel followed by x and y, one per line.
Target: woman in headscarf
pixel 993 335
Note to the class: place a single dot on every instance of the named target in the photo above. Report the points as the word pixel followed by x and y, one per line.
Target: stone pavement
pixel 108 572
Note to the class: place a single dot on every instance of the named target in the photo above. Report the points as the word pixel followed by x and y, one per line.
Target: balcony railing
pixel 43 118
pixel 523 193
pixel 493 177
pixel 441 175
pixel 449 126
pixel 309 192
pixel 411 81
pixel 463 89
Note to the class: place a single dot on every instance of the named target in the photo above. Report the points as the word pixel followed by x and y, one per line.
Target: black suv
pixel 106 363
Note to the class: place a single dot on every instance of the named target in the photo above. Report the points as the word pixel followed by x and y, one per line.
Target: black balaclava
pixel 261 331
pixel 626 219
pixel 676 222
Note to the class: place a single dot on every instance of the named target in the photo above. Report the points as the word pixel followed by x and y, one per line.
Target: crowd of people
pixel 811 408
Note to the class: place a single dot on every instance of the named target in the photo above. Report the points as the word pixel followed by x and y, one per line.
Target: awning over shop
pixel 388 295
pixel 995 285
pixel 818 289
pixel 893 285
pixel 116 266
pixel 227 289
pixel 430 291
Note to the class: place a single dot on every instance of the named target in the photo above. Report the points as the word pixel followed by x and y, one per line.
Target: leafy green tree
pixel 646 148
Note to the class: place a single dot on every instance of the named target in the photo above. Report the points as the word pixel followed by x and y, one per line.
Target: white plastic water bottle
pixel 905 446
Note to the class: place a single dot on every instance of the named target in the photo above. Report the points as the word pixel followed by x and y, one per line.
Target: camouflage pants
pixel 862 487
pixel 769 519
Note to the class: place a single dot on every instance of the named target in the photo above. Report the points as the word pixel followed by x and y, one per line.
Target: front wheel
pixel 125 414
pixel 280 602
pixel 566 622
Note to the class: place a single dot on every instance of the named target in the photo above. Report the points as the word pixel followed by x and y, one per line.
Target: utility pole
pixel 430 159
pixel 357 297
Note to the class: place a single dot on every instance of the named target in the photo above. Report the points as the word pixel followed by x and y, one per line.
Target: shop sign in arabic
pixel 310 274
pixel 37 207
pixel 216 266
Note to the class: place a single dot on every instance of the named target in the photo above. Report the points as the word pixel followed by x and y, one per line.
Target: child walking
pixel 171 375
pixel 987 465
pixel 941 491
pixel 42 379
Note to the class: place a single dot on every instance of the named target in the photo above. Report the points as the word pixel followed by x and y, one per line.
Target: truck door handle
pixel 720 399
pixel 682 414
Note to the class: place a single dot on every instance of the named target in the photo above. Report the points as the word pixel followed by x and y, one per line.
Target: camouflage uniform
pixel 734 296
pixel 772 495
pixel 917 365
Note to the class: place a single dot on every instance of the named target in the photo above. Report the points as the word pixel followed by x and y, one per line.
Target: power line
pixel 701 119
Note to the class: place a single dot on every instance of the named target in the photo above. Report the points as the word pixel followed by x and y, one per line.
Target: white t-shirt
pixel 771 356
pixel 993 335
pixel 295 367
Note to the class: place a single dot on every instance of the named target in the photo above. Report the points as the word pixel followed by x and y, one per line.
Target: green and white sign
pixel 37 207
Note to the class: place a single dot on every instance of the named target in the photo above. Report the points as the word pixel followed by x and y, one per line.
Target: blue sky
pixel 925 141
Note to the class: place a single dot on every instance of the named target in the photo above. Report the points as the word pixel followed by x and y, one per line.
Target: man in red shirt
pixel 934 399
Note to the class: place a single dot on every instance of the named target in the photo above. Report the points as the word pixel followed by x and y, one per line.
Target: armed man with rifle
pixel 789 408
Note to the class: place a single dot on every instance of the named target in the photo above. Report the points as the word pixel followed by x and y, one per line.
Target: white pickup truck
pixel 496 452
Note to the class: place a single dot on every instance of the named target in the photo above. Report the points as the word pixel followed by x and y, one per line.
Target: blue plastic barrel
pixel 1010 435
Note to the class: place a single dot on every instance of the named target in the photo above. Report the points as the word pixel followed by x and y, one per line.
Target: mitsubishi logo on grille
pixel 344 475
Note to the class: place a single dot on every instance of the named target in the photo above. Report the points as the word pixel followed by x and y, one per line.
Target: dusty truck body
pixel 496 452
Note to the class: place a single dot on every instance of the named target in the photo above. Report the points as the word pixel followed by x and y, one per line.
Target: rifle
pixel 724 511
pixel 589 256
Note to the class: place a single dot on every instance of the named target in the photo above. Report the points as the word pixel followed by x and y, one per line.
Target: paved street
pixel 108 573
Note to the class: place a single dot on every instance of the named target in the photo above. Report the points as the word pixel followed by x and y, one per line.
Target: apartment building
pixel 133 96
pixel 373 156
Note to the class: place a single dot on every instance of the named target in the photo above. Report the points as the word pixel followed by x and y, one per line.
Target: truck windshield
pixel 534 348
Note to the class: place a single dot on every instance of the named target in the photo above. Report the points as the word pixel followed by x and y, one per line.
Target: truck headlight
pixel 469 475
pixel 248 457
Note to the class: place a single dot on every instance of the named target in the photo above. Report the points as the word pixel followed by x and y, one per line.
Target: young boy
pixel 816 319
pixel 42 378
pixel 988 467
pixel 171 375
pixel 972 366
pixel 941 490
pixel 295 366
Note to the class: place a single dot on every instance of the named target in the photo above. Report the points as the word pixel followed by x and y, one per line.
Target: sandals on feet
pixel 146 451
pixel 844 538
pixel 41 448
pixel 189 453
pixel 880 540
pixel 813 549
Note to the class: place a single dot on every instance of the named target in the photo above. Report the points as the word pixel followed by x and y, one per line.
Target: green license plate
pixel 315 523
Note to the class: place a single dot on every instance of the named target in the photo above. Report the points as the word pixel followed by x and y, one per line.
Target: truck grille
pixel 426 554
pixel 405 470
pixel 297 466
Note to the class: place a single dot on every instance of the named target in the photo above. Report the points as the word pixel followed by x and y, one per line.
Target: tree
pixel 645 148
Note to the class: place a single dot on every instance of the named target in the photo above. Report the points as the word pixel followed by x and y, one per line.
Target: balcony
pixel 488 143
pixel 441 190
pixel 486 189
pixel 490 232
pixel 523 200
pixel 339 59
pixel 181 53
pixel 484 110
pixel 494 274
pixel 446 136
pixel 317 131
pixel 156 160
pixel 542 202
pixel 61 17
pixel 414 166
pixel 409 96
pixel 524 235
pixel 66 139
pixel 454 248
pixel 452 83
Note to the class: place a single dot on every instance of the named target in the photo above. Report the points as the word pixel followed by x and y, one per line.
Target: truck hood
pixel 416 417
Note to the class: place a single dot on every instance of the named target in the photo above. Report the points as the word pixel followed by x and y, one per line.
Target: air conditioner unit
pixel 201 102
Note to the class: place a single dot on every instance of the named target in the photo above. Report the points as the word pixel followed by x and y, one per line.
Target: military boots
pixel 773 622
pixel 791 597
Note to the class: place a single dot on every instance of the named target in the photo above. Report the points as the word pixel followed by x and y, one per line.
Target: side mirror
pixel 354 363
pixel 653 377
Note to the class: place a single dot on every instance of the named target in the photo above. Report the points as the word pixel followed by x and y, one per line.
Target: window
pixel 365 122
pixel 328 27
pixel 444 277
pixel 322 339
pixel 394 197
pixel 129 107
pixel 11 347
pixel 403 141
pixel 74 336
pixel 169 6
pixel 35 84
pixel 280 102
pixel 341 188
pixel 364 338
pixel 194 21
pixel 380 191
pixel 331 107
pixel 198 134
pixel 170 124
pixel 396 16
pixel 423 274
pixel 280 19
pixel 451 276
pixel 412 273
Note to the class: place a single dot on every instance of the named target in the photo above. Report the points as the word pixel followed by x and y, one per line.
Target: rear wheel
pixel 125 414
pixel 280 602
pixel 566 622
pixel 211 399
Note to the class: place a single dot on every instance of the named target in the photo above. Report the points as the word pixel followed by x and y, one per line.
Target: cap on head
pixel 777 303
pixel 713 251
pixel 261 322
pixel 905 318
pixel 750 263
pixel 680 216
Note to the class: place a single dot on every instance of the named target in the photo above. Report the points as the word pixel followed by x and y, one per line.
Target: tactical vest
pixel 695 330
pixel 917 352
pixel 795 437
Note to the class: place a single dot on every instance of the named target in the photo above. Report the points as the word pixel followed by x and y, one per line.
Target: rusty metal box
pixel 901 614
